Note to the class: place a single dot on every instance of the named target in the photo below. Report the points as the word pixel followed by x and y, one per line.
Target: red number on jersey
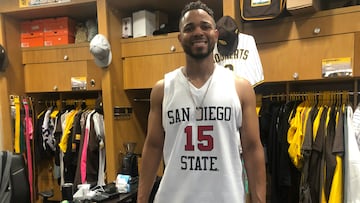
pixel 206 141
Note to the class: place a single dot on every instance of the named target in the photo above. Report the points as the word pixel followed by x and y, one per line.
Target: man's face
pixel 197 34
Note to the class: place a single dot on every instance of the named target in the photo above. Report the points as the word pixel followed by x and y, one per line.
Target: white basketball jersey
pixel 245 61
pixel 202 147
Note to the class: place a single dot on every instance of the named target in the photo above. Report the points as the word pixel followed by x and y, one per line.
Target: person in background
pixel 203 123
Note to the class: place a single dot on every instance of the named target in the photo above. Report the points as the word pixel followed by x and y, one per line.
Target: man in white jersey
pixel 198 114
pixel 237 51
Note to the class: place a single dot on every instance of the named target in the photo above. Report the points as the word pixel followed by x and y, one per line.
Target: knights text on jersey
pixel 245 61
pixel 202 145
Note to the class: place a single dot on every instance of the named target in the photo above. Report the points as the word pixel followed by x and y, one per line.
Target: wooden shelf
pixel 172 8
pixel 71 9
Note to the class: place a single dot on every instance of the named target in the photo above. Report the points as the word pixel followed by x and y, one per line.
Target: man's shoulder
pixel 175 70
pixel 172 74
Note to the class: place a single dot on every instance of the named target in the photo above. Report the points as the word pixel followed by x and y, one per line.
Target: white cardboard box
pixel 302 6
pixel 144 23
pixel 127 27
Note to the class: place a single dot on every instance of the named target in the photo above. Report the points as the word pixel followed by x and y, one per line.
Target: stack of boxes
pixel 143 23
pixel 48 32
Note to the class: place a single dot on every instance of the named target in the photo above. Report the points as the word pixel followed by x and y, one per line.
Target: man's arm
pixel 153 146
pixel 253 152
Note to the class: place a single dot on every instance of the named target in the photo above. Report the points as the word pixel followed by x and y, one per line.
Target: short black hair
pixel 196 5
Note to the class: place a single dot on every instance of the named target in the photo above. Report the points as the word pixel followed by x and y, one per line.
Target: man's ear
pixel 217 34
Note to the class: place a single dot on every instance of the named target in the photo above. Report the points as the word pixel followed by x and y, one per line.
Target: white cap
pixel 101 50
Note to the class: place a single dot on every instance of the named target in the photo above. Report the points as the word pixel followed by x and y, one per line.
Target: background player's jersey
pixel 201 151
pixel 245 61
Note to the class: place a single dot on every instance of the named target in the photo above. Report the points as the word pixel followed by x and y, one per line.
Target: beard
pixel 199 55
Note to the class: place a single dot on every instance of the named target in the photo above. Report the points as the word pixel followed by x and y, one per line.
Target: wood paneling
pixel 72 52
pixel 151 45
pixel 292 48
pixel 232 8
pixel 144 71
pixel 11 81
pixel 108 94
pixel 146 60
pixel 56 77
pixel 282 60
pixel 356 61
pixel 338 21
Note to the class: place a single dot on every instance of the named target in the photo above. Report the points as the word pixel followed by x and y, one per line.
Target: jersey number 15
pixel 205 141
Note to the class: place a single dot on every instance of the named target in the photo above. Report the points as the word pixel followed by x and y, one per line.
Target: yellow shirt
pixel 69 120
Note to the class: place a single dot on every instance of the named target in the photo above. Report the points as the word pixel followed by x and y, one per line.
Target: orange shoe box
pixel 58 39
pixel 35 39
pixel 63 25
pixel 30 26
pixel 48 32
pixel 59 31
pixel 32 33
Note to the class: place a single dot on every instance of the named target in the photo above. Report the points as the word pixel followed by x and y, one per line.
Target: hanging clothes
pixel 330 159
pixel 28 137
pixel 285 177
pixel 68 122
pixel 23 137
pixel 306 148
pixel 100 135
pixel 352 155
pixel 71 154
pixel 17 124
pixel 318 147
pixel 59 135
pixel 295 134
pixel 81 129
pixel 41 152
pixel 47 129
pixel 338 150
pixel 61 154
pixel 84 152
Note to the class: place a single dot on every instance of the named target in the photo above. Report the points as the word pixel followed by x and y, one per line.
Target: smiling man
pixel 203 123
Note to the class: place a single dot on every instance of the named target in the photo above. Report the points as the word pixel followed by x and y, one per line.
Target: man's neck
pixel 199 69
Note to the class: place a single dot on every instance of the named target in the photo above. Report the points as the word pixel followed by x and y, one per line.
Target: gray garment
pixel 305 195
pixel 5 186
